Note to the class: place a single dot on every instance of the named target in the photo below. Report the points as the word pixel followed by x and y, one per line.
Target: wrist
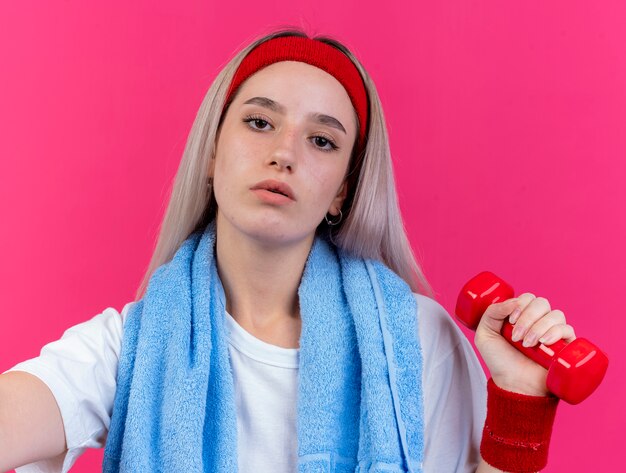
pixel 517 429
pixel 514 385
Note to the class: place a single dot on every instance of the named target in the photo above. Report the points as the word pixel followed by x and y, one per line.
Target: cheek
pixel 318 177
pixel 224 174
pixel 324 183
pixel 232 159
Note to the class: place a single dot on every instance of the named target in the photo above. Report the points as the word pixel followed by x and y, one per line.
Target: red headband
pixel 315 53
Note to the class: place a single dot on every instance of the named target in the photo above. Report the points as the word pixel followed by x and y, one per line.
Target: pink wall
pixel 507 125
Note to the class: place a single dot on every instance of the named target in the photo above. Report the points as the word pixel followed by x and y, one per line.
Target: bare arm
pixel 484 467
pixel 31 426
pixel 510 369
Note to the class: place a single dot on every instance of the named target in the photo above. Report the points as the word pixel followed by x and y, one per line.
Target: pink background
pixel 507 123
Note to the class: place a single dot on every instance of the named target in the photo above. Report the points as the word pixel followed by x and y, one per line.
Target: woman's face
pixel 284 125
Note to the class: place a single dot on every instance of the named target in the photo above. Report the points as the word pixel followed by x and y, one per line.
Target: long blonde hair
pixel 372 225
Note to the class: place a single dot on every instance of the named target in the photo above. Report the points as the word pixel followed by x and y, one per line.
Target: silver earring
pixel 334 223
pixel 209 182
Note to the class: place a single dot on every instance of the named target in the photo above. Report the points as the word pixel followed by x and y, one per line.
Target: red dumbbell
pixel 575 369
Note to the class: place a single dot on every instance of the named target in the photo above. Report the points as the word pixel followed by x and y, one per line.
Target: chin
pixel 268 230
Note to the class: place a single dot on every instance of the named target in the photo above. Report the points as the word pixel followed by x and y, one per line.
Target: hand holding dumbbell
pixel 575 369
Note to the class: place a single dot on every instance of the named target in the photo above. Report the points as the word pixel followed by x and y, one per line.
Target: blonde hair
pixel 372 226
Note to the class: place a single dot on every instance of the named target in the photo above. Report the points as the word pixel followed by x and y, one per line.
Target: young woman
pixel 283 323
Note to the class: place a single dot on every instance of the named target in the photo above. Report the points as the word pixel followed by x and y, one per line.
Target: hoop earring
pixel 334 223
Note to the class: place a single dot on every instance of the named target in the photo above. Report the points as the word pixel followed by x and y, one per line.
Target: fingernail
pixel 517 333
pixel 547 340
pixel 515 315
pixel 530 340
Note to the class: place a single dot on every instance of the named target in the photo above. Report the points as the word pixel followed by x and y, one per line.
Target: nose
pixel 284 154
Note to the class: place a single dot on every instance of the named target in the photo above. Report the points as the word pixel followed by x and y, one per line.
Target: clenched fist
pixel 535 322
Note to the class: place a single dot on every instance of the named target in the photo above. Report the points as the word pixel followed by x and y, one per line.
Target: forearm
pixel 484 467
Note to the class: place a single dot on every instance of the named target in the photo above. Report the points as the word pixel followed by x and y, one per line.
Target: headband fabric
pixel 315 53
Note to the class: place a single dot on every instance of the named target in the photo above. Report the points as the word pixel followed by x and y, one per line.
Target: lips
pixel 278 187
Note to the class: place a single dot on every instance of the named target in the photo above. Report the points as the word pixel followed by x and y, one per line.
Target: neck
pixel 260 281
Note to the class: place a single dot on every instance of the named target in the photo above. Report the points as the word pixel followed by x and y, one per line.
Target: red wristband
pixel 517 430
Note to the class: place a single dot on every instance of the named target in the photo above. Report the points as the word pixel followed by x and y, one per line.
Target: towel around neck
pixel 359 406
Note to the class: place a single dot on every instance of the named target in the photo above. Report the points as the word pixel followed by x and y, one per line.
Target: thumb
pixel 496 313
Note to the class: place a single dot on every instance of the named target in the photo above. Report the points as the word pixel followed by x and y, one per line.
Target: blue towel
pixel 359 405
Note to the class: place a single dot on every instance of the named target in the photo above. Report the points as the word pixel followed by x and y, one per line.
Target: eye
pixel 322 142
pixel 257 120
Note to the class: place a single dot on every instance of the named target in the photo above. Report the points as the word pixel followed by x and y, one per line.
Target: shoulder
pixel 124 312
pixel 439 334
pixel 442 340
pixel 95 340
pixel 102 333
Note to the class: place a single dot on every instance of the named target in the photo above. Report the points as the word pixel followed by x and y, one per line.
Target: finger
pixel 493 318
pixel 558 332
pixel 524 300
pixel 539 328
pixel 537 308
pixel 501 310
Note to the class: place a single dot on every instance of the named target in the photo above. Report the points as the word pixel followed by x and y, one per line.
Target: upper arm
pixel 78 376
pixel 454 393
pixel 31 426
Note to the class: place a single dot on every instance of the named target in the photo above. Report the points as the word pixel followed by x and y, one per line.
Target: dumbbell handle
pixel 543 354
pixel 575 369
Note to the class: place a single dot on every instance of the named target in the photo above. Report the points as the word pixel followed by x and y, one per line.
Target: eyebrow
pixel 276 107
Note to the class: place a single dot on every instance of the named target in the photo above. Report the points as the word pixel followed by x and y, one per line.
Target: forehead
pixel 299 85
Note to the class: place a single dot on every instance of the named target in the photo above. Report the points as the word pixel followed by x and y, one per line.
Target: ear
pixel 337 202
